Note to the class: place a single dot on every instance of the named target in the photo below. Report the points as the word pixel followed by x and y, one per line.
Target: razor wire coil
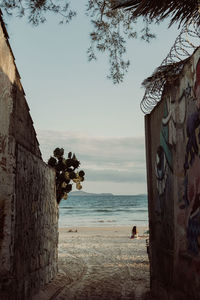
pixel 183 47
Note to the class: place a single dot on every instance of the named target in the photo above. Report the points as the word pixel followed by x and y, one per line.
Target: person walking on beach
pixel 134 233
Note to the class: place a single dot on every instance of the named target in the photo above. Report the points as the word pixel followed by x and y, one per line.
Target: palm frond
pixel 181 11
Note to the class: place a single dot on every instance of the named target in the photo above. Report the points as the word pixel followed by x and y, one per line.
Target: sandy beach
pixel 100 263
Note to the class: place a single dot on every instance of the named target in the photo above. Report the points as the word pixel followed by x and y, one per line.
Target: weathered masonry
pixel 173 167
pixel 28 207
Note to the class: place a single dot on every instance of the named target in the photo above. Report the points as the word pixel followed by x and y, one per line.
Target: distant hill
pixel 82 193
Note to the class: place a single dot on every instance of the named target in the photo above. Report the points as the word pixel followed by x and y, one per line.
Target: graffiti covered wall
pixel 173 167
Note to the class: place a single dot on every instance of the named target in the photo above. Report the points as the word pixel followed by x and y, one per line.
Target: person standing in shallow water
pixel 134 232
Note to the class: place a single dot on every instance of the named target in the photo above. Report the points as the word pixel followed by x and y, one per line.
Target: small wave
pixel 113 210
pixel 141 220
pixel 66 207
pixel 139 212
pixel 104 210
pixel 103 221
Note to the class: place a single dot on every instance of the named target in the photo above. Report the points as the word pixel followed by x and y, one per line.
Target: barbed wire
pixel 183 47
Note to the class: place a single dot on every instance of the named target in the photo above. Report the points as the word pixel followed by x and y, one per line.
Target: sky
pixel 74 106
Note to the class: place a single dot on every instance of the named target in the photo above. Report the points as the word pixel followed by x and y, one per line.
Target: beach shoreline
pixel 100 263
pixel 104 262
pixel 103 230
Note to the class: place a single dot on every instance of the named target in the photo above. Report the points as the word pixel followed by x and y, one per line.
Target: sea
pixel 103 210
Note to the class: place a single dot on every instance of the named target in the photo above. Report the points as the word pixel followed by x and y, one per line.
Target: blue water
pixel 106 210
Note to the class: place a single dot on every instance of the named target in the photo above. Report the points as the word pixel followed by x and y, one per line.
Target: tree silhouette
pixel 113 22
pixel 109 33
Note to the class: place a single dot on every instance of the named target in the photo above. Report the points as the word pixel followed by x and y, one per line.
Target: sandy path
pixel 102 263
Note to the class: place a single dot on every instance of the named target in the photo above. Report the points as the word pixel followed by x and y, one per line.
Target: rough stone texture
pixel 21 124
pixel 7 154
pixel 28 208
pixel 35 251
pixel 173 168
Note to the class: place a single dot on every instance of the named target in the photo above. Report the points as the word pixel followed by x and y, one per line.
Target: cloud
pixel 114 176
pixel 110 159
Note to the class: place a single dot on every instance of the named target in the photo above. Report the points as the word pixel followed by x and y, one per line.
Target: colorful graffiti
pixel 168 140
pixel 163 160
pixel 164 154
pixel 164 173
pixel 192 172
pixel 180 135
pixel 180 146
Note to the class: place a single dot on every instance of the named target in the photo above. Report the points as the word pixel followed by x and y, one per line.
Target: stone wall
pixel 173 168
pixel 28 207
pixel 35 251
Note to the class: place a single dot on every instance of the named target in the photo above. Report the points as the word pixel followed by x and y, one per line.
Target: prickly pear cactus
pixel 66 173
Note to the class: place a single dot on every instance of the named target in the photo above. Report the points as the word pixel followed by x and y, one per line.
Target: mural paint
pixel 164 173
pixel 181 121
pixel 172 131
pixel 167 147
pixel 192 172
pixel 163 161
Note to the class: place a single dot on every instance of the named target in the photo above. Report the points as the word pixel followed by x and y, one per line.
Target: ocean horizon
pixel 94 210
